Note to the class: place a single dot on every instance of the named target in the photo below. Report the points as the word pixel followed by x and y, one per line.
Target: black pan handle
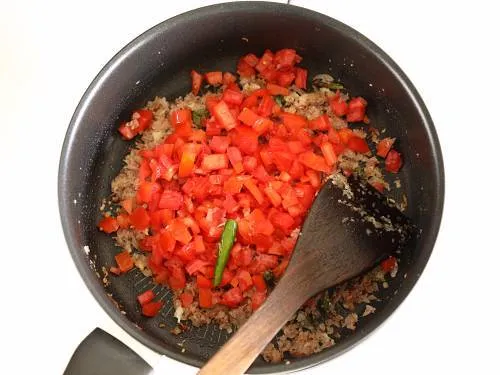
pixel 102 354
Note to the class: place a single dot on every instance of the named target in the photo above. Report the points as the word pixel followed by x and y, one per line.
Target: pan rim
pixel 81 262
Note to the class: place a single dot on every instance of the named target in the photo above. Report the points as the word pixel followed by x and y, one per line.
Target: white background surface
pixel 50 52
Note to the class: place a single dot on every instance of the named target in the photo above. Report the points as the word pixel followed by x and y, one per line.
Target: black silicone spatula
pixel 349 227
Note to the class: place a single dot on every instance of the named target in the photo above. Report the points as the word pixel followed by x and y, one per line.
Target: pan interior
pixel 213 38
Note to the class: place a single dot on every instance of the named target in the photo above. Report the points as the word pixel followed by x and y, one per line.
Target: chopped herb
pixel 280 100
pixel 324 304
pixel 335 86
pixel 199 116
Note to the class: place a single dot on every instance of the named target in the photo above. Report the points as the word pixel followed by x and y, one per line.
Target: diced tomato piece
pixel 228 78
pixel 203 282
pixel 186 299
pixel 187 253
pixel 273 196
pixel 214 162
pixel 196 266
pixel 232 97
pixel 232 298
pixel 281 268
pixel 108 224
pixel 276 89
pixel 314 178
pixel 180 231
pixel 248 117
pixel 199 245
pixel 251 59
pixel 320 123
pixel 393 161
pixel 313 161
pixel 384 146
pixel 246 139
pixel 214 78
pixel 388 264
pixel 266 106
pixel 259 283
pixel 123 220
pixel 254 190
pixel 329 153
pixel 358 144
pixel 283 160
pixel 261 174
pixel 145 118
pixel 249 163
pixel 167 242
pixel 205 298
pixel 224 116
pixel 245 280
pixel 338 105
pixel 258 299
pixel 152 308
pixel 115 270
pixel 196 81
pixel 172 200
pixel 300 78
pixel 180 117
pixel 286 78
pixel 139 218
pixel 124 261
pixel 126 131
pixel 146 297
pixel 244 69
pixel 233 185
pixel 345 134
pixel 379 186
pixel 177 279
pixel 127 205
pixel 356 109
pixel 293 122
pixel 262 263
pixel 265 61
pixel 219 144
pixel 285 58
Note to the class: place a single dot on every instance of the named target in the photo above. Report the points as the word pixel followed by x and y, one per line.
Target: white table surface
pixel 50 51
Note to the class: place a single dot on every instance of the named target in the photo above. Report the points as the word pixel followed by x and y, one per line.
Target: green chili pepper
pixel 225 246
pixel 280 100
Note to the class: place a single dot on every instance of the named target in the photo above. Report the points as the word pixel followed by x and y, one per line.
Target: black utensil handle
pixel 102 354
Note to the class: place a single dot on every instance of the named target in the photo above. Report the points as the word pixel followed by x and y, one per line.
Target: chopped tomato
pixel 329 153
pixel 259 283
pixel 258 299
pixel 171 199
pixel 151 309
pixel 251 59
pixel 224 116
pixel 146 297
pixel 384 146
pixel 203 282
pixel 358 144
pixel 124 261
pixel 196 81
pixel 228 78
pixel 388 264
pixel 139 218
pixel 300 78
pixel 246 139
pixel 313 161
pixel 276 90
pixel 180 232
pixel 244 69
pixel 320 123
pixel 232 97
pixel 232 297
pixel 393 161
pixel 214 162
pixel 356 109
pixel 186 299
pixel 108 224
pixel 338 106
pixel 214 78
pixel 205 298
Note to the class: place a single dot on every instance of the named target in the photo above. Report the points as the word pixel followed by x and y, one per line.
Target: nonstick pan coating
pixel 212 38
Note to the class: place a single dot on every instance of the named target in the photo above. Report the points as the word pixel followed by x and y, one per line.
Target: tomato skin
pixel 356 109
pixel 151 309
pixel 388 264
pixel 393 161
pixel 232 97
pixel 338 105
pixel 139 218
pixel 108 224
pixel 224 116
pixel 232 298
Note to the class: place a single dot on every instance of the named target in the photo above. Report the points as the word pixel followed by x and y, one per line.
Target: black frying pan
pixel 212 38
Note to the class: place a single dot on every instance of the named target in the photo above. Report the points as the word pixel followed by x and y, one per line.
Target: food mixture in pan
pixel 218 184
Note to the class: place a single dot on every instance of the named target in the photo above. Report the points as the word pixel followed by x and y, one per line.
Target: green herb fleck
pixel 199 116
pixel 280 100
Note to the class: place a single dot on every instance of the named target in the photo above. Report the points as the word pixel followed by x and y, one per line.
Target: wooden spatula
pixel 349 227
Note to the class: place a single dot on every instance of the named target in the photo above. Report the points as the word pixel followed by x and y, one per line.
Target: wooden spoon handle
pixel 236 356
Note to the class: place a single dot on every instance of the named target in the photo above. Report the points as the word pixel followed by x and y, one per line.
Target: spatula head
pixel 349 228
